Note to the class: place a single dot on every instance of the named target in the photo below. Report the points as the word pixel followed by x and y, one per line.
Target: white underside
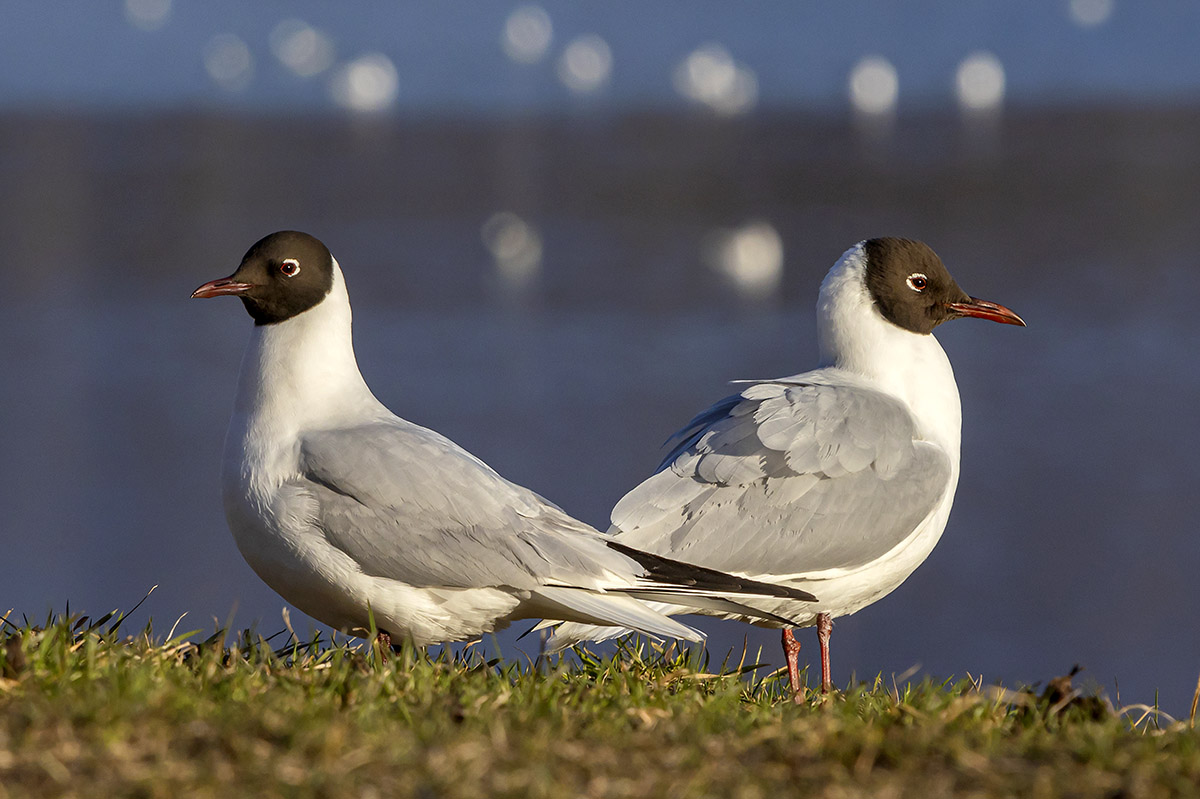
pixel 324 582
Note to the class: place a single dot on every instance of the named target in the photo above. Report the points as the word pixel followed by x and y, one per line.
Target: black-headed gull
pixel 347 510
pixel 838 481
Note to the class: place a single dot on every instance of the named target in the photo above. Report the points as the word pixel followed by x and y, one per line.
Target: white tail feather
pixel 588 609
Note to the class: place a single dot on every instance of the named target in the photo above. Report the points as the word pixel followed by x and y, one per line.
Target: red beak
pixel 220 288
pixel 986 310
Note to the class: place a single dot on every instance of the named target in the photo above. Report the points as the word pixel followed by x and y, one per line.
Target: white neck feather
pixel 302 373
pixel 853 335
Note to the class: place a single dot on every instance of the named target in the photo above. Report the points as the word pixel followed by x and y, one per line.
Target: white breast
pixel 913 367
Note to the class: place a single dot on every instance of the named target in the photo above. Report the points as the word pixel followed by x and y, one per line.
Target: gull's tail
pixel 591 610
pixel 673 579
pixel 568 634
pixel 668 587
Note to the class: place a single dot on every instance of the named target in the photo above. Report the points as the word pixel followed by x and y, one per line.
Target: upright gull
pixel 350 512
pixel 837 481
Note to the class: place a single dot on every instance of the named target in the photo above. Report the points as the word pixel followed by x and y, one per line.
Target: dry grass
pixel 86 710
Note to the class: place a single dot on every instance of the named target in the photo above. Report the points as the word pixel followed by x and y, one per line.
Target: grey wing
pixel 789 477
pixel 407 503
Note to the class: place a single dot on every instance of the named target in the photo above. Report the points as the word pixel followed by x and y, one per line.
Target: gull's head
pixel 884 297
pixel 282 275
pixel 904 282
pixel 911 287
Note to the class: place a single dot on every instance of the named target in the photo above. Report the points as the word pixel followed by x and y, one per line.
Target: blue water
pixel 128 177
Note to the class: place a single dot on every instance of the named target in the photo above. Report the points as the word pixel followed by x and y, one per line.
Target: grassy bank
pixel 89 710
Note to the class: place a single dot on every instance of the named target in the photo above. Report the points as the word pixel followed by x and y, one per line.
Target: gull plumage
pixel 839 480
pixel 351 513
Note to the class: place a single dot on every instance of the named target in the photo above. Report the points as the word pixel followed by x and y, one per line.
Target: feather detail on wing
pixel 407 504
pixel 790 476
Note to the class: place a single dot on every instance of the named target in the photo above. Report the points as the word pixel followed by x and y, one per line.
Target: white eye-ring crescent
pixel 917 282
pixel 291 267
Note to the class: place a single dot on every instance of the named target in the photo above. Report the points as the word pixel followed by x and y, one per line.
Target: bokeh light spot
pixel 751 257
pixel 527 34
pixel 228 61
pixel 368 83
pixel 586 64
pixel 301 48
pixel 1090 13
pixel 709 75
pixel 979 82
pixel 148 15
pixel 874 86
pixel 515 245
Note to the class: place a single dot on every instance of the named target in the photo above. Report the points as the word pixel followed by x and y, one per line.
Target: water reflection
pixel 1072 538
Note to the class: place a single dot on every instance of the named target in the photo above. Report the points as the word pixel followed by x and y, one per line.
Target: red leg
pixel 824 630
pixel 791 650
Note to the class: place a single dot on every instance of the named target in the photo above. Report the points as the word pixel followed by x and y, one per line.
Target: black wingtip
pixel 678 572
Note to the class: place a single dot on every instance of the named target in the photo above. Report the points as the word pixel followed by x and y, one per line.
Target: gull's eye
pixel 291 268
pixel 917 281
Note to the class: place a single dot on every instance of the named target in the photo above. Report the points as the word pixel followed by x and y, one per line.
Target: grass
pixel 87 709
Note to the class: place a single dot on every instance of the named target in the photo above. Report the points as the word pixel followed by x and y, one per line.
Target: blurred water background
pixel 564 227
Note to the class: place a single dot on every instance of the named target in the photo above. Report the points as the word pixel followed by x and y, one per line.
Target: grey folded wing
pixel 407 503
pixel 789 476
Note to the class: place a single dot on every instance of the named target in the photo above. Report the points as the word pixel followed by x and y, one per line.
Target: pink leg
pixel 824 629
pixel 791 650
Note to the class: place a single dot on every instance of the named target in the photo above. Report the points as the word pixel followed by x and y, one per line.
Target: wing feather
pixel 407 503
pixel 786 477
